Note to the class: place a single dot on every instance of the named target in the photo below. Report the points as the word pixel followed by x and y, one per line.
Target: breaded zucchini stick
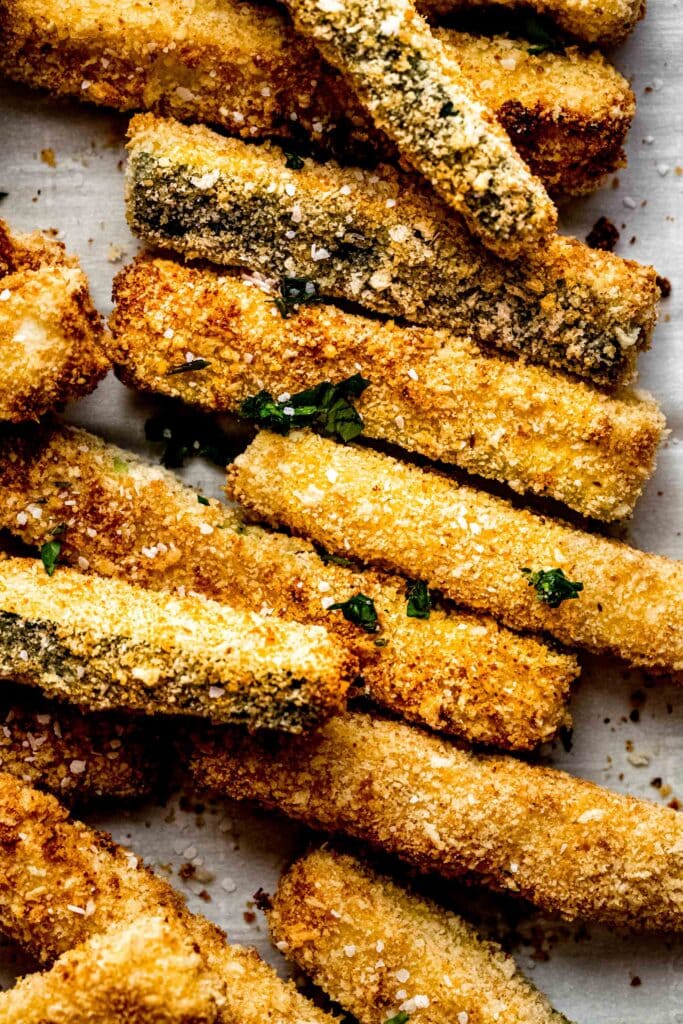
pixel 469 545
pixel 62 883
pixel 242 67
pixel 460 673
pixel 378 949
pixel 378 240
pixel 79 757
pixel 143 972
pixel 430 391
pixel 606 23
pixel 567 845
pixel 50 334
pixel 105 644
pixel 418 95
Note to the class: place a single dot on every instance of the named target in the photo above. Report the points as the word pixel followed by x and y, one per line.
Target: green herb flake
pixel 552 586
pixel 448 110
pixel 49 554
pixel 295 292
pixel 327 558
pixel 327 406
pixel 202 500
pixel 419 600
pixel 360 610
pixel 120 465
pixel 540 35
pixel 187 435
pixel 293 162
pixel 400 1018
pixel 189 367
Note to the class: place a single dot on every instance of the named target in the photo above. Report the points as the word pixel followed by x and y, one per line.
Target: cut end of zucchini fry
pixel 378 949
pixel 50 333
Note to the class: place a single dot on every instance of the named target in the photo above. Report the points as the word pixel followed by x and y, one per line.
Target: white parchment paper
pixel 591 975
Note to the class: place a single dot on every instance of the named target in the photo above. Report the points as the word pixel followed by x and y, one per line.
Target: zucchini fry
pixel 430 391
pixel 62 883
pixel 471 546
pixel 378 949
pixel 233 65
pixel 105 644
pixel 378 240
pixel 606 24
pixel 418 95
pixel 146 972
pixel 79 757
pixel 455 672
pixel 50 334
pixel 567 845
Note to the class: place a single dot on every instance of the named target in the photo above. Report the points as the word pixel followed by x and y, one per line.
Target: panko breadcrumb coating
pixel 430 391
pixel 567 845
pixel 418 95
pixel 242 67
pixel 62 883
pixel 143 972
pixel 471 546
pixel 378 949
pixel 455 672
pixel 605 23
pixel 50 334
pixel 80 757
pixel 106 644
pixel 379 240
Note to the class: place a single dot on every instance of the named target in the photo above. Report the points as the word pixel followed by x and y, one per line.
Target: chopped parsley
pixel 552 586
pixel 186 435
pixel 202 500
pixel 189 366
pixel 295 292
pixel 293 162
pixel 120 465
pixel 448 110
pixel 326 406
pixel 399 1018
pixel 49 554
pixel 419 600
pixel 360 610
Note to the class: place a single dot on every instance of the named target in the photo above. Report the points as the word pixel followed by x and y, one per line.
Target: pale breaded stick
pixel 430 391
pixel 459 673
pixel 106 644
pixel 242 67
pixel 606 23
pixel 50 334
pixel 378 949
pixel 567 845
pixel 143 972
pixel 418 95
pixel 378 240
pixel 62 882
pixel 79 757
pixel 469 545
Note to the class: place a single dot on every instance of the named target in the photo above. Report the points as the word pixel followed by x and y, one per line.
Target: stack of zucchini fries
pixel 349 208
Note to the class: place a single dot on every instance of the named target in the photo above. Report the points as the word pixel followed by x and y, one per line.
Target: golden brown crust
pixel 234 64
pixel 418 95
pixel 567 845
pixel 50 334
pixel 62 883
pixel 146 972
pixel 606 23
pixel 378 949
pixel 430 391
pixel 466 543
pixel 79 757
pixel 105 644
pixel 456 672
pixel 379 240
